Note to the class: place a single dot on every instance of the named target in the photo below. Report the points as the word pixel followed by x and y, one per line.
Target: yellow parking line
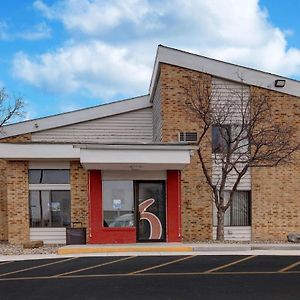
pixel 285 269
pixel 5 262
pixel 36 267
pixel 148 275
pixel 230 264
pixel 95 266
pixel 161 265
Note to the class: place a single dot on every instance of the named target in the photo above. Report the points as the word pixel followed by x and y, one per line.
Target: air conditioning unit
pixel 188 136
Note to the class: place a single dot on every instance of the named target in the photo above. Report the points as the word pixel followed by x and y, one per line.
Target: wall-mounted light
pixel 280 83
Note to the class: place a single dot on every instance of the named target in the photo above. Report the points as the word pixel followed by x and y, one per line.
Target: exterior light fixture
pixel 280 83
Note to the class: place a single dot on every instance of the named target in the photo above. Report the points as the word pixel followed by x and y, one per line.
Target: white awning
pixel 105 157
pixel 135 157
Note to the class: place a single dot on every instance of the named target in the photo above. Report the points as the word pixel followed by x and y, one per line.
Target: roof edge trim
pixel 221 69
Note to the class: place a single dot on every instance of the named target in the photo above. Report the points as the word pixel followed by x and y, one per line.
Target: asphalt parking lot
pixel 152 277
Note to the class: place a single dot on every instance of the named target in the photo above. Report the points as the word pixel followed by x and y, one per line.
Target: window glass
pixel 50 208
pixel 118 203
pixel 49 176
pixel 35 208
pixel 238 214
pixel 220 138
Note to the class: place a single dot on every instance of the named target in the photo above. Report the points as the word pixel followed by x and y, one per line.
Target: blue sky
pixel 61 55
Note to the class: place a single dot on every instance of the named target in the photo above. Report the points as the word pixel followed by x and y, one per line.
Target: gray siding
pixel 134 126
pixel 157 120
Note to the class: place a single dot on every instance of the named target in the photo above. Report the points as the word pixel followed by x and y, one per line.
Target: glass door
pixel 150 211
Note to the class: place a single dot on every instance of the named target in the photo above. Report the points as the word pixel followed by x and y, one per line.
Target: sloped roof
pixel 220 69
pixel 77 116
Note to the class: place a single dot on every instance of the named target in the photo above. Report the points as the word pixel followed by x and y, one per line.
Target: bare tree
pixel 10 108
pixel 243 134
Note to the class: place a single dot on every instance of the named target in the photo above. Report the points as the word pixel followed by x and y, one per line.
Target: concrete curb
pixel 176 248
pixel 105 249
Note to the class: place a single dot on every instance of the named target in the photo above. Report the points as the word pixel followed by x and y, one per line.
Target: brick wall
pixel 3 202
pixel 3 185
pixel 276 191
pixel 17 202
pixel 79 194
pixel 176 117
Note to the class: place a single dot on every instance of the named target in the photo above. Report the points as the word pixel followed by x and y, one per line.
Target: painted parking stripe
pixel 148 275
pixel 230 264
pixel 288 268
pixel 161 265
pixel 95 266
pixel 5 263
pixel 36 267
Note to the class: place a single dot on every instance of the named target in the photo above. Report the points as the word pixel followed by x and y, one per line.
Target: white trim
pixel 220 69
pixel 38 151
pixel 49 187
pixel 49 165
pixel 77 116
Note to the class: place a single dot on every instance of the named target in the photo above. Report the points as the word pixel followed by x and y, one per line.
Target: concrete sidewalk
pixel 173 247
pixel 157 249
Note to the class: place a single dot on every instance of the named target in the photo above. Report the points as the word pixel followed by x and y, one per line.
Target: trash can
pixel 76 235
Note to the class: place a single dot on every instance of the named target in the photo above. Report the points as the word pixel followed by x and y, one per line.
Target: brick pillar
pixel 176 117
pixel 3 202
pixel 79 194
pixel 17 202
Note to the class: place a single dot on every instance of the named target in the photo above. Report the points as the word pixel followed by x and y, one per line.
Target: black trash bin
pixel 76 235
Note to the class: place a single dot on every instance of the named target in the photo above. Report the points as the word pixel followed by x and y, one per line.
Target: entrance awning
pixel 105 157
pixel 135 157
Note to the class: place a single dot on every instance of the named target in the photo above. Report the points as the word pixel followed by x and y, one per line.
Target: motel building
pixel 128 171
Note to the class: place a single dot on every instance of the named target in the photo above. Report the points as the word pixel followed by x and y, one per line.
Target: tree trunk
pixel 220 225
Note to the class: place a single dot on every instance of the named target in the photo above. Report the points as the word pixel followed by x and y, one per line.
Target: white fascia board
pixel 138 159
pixel 220 69
pixel 77 116
pixel 38 152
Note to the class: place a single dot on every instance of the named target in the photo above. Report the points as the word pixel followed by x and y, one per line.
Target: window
pixel 220 138
pixel 49 198
pixel 50 208
pixel 49 176
pixel 118 203
pixel 239 213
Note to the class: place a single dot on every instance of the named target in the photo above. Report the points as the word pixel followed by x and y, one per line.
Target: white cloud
pixel 94 67
pixel 3 31
pixel 115 51
pixel 40 31
pixel 95 16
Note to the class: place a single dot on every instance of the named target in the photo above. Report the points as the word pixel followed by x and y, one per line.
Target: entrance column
pixel 173 206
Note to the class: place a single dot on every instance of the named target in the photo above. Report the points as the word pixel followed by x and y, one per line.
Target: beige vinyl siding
pixel 54 235
pixel 235 233
pixel 224 92
pixel 157 120
pixel 245 183
pixel 135 126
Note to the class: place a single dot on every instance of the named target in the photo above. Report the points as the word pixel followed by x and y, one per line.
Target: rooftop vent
pixel 191 136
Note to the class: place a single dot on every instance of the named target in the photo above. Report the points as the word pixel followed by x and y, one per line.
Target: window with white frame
pixel 49 197
pixel 239 213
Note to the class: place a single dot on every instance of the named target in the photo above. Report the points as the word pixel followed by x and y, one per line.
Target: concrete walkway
pixel 173 247
pixel 157 249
